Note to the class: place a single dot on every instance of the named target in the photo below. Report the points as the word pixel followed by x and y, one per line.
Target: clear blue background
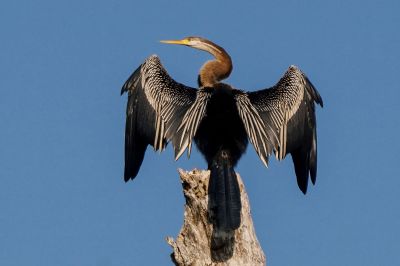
pixel 62 64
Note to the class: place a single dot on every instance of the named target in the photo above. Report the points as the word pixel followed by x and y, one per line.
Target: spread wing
pixel 156 107
pixel 287 111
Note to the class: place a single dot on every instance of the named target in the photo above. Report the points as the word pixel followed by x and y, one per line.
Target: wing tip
pixel 302 181
pixel 303 189
pixel 313 174
pixel 130 174
pixel 313 180
pixel 127 178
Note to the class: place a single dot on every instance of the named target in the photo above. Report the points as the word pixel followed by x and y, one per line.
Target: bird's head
pixel 198 43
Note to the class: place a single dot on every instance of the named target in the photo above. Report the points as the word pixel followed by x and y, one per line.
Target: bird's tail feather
pixel 224 194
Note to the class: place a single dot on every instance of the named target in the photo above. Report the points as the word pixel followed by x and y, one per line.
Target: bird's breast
pixel 221 128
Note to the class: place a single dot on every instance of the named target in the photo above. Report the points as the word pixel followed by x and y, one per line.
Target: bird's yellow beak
pixel 182 42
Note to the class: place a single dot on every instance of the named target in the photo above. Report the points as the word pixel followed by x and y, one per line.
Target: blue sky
pixel 62 64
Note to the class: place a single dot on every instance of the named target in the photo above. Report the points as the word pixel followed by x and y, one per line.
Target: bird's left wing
pixel 287 112
pixel 156 108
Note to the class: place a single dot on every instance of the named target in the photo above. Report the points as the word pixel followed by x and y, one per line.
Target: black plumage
pixel 221 120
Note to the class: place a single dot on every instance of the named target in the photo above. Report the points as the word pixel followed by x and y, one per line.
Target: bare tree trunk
pixel 199 244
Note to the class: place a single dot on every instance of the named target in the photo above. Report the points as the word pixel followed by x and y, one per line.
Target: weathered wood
pixel 197 242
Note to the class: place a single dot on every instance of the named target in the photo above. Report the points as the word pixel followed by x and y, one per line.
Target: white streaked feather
pixel 277 106
pixel 255 127
pixel 161 93
pixel 191 121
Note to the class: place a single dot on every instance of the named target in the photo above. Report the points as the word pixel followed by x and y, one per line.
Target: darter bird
pixel 221 120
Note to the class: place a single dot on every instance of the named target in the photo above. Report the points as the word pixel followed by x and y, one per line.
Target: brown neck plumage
pixel 215 70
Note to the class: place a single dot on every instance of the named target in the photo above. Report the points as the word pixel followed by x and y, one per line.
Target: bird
pixel 220 120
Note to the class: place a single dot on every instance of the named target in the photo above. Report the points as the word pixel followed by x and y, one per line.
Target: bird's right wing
pixel 156 107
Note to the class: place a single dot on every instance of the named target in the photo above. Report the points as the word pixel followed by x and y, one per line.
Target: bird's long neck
pixel 215 70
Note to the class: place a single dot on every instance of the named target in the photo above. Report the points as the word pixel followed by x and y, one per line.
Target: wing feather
pixel 287 110
pixel 262 137
pixel 190 122
pixel 156 107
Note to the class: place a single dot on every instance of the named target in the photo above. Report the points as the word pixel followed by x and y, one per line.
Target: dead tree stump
pixel 199 244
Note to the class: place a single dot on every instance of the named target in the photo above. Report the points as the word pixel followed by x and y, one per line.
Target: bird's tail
pixel 224 193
